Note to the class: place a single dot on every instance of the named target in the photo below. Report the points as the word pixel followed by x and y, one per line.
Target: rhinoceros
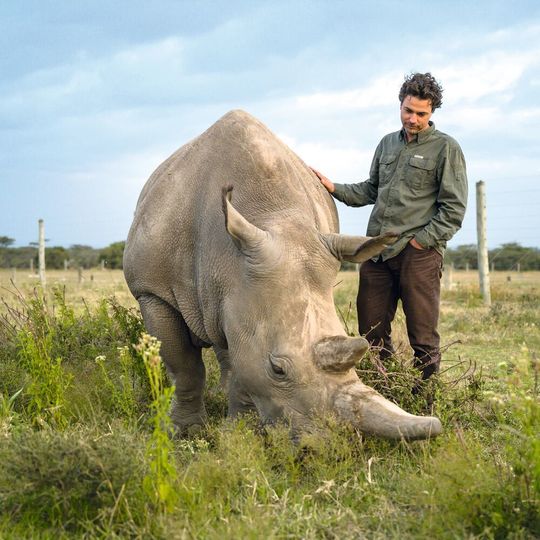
pixel 235 245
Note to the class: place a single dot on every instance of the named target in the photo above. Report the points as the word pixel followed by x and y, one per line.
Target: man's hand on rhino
pixel 327 183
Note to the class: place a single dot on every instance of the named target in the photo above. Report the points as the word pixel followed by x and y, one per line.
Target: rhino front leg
pixel 182 359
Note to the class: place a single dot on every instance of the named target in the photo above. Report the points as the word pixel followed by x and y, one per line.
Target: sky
pixel 95 95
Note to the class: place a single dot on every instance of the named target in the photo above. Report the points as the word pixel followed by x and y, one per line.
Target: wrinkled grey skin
pixel 250 272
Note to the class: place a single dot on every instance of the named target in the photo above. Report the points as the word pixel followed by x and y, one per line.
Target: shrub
pixel 49 351
pixel 65 480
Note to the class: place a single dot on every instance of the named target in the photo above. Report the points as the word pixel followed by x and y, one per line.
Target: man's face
pixel 415 115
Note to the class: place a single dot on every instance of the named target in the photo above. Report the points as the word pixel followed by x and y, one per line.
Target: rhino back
pixel 178 247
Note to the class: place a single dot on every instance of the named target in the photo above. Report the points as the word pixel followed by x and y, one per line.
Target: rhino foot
pixel 187 422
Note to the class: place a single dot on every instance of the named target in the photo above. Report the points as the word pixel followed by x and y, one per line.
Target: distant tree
pixel 55 257
pixel 462 257
pixel 113 255
pixel 17 257
pixel 508 256
pixel 346 265
pixel 84 256
pixel 6 241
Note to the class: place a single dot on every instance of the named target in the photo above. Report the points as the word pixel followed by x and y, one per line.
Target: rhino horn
pixel 357 249
pixel 246 236
pixel 375 415
pixel 339 353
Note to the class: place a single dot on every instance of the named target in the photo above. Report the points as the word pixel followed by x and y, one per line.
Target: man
pixel 418 185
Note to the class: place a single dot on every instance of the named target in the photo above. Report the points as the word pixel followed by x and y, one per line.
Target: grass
pixel 83 453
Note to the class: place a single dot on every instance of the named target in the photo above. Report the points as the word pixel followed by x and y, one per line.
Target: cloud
pixel 379 92
pixel 101 197
pixel 339 162
pixel 464 81
pixel 497 119
pixel 143 72
pixel 491 74
pixel 485 68
pixel 506 167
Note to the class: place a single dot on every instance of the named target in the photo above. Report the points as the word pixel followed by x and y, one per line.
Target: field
pixel 85 452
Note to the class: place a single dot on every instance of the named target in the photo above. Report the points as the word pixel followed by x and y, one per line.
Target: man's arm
pixel 451 200
pixel 358 194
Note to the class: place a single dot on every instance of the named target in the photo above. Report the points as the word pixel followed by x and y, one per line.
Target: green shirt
pixel 419 189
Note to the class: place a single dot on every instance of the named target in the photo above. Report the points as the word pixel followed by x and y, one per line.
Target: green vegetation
pixel 85 450
pixel 511 256
pixel 57 257
pixel 160 485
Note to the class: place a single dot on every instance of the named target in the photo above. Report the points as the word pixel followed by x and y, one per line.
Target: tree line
pixel 511 256
pixel 58 257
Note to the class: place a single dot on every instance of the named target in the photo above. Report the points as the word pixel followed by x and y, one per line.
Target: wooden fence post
pixel 42 277
pixel 483 263
pixel 448 277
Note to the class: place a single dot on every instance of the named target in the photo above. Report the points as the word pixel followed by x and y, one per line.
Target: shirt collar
pixel 420 137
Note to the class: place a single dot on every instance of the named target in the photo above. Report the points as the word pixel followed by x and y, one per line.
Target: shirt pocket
pixel 421 172
pixel 386 167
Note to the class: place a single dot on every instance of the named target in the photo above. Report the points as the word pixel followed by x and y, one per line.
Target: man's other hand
pixel 415 244
pixel 328 184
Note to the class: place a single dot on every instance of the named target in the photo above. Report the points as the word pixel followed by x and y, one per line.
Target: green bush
pixel 69 480
pixel 49 351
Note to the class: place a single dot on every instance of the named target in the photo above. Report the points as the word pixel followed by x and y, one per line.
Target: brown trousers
pixel 414 276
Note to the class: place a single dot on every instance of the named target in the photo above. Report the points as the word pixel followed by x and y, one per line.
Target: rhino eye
pixel 278 366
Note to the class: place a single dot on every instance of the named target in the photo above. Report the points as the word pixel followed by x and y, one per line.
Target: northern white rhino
pixel 250 272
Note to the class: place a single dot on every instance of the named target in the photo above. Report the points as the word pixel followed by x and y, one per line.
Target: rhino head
pixel 289 355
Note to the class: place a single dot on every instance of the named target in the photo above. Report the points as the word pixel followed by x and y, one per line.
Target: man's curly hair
pixel 422 86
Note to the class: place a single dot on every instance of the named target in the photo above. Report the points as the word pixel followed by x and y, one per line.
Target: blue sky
pixel 94 95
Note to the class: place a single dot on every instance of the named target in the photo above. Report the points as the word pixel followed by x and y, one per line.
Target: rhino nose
pixel 339 353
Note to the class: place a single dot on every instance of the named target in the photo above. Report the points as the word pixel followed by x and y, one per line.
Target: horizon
pixel 97 248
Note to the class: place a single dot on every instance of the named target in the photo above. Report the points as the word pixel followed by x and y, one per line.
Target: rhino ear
pixel 339 353
pixel 357 249
pixel 245 235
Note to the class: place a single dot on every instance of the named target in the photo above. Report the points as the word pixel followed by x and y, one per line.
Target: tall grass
pixel 71 366
pixel 85 450
pixel 160 484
